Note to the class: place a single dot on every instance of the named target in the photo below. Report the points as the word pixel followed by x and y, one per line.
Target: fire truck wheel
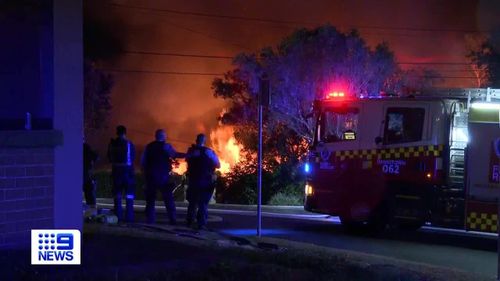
pixel 375 224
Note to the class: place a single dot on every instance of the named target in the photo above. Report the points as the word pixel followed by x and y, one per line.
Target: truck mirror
pixel 378 140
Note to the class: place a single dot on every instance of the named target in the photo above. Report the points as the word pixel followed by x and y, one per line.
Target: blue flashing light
pixel 307 168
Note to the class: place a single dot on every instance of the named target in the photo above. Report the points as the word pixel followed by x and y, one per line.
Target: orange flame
pixel 226 147
pixel 180 168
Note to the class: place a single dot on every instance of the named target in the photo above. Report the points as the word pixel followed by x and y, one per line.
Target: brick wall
pixel 26 193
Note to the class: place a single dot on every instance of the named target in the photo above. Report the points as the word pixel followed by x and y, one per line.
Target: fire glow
pixel 225 146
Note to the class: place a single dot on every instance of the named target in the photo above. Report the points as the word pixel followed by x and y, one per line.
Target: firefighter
pixel 89 184
pixel 202 162
pixel 121 154
pixel 156 165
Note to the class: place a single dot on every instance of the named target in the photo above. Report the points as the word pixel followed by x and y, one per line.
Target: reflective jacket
pixel 121 152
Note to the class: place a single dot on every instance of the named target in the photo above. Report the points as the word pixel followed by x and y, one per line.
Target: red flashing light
pixel 335 95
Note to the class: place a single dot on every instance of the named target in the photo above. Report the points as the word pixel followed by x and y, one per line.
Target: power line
pixel 205 35
pixel 136 71
pixel 290 22
pixel 434 63
pixel 140 71
pixel 176 54
pixel 447 77
pixel 185 28
pixel 171 11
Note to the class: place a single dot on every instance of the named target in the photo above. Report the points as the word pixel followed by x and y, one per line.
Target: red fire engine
pixel 407 161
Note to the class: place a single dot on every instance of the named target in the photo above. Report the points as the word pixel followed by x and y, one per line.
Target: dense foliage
pixel 301 68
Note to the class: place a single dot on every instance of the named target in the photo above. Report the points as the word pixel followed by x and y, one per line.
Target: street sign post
pixel 264 99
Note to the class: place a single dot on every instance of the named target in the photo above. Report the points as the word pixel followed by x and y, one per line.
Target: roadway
pixel 472 252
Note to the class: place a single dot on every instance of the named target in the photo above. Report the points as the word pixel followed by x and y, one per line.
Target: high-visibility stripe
pixel 482 221
pixel 391 153
pixel 129 196
pixel 129 158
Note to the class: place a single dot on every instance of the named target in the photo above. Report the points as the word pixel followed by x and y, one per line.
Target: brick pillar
pixel 26 193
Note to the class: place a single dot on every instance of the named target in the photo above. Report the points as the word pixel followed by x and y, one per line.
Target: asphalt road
pixel 473 254
pixel 455 249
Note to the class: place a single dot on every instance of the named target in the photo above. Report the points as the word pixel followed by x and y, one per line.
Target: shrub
pixel 237 187
pixel 291 195
pixel 284 199
pixel 240 186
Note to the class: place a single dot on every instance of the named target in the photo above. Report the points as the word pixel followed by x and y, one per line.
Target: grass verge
pixel 144 252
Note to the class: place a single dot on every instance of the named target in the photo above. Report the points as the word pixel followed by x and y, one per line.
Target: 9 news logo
pixel 51 247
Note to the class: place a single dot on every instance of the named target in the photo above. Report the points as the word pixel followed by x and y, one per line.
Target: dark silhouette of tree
pixel 100 46
pixel 484 57
pixel 412 81
pixel 473 45
pixel 97 97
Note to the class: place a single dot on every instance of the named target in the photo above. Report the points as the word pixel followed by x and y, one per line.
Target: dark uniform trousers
pixel 89 188
pixel 166 189
pixel 123 183
pixel 198 194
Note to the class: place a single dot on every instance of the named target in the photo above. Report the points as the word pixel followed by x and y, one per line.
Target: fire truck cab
pixel 431 158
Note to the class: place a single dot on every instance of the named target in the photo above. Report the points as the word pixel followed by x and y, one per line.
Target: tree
pixel 97 97
pixel 484 57
pixel 302 67
pixel 412 81
pixel 100 45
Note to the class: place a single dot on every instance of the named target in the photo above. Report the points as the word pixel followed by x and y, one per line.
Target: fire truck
pixel 407 161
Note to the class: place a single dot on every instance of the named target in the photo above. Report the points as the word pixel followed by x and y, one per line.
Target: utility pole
pixel 264 100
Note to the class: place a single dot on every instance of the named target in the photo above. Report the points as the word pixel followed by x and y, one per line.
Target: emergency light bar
pixel 335 95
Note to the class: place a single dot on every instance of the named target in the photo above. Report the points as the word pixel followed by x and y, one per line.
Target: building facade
pixel 41 118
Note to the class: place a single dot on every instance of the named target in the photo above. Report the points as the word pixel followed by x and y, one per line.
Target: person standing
pixel 202 162
pixel 89 184
pixel 156 164
pixel 121 154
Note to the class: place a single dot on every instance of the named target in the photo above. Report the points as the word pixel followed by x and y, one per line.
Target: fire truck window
pixel 339 125
pixel 404 125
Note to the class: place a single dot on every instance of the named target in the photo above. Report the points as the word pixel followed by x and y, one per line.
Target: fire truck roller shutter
pixel 483 167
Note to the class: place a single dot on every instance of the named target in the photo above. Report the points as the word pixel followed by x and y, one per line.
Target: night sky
pixel 418 31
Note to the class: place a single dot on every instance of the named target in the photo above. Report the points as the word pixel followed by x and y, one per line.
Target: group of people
pixel 156 165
